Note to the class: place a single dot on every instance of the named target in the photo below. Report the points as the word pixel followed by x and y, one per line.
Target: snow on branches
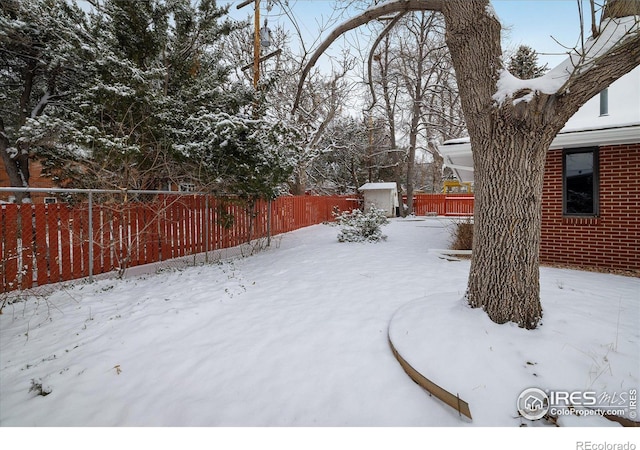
pixel 613 33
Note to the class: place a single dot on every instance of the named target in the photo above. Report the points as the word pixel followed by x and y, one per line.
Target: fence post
pixel 90 236
pixel 206 228
pixel 269 223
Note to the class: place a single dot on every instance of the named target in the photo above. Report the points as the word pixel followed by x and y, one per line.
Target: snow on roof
pixel 377 186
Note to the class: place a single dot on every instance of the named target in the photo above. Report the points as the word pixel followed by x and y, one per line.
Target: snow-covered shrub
pixel 358 226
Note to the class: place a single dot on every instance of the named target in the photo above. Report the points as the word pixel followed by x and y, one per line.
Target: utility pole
pixel 370 149
pixel 256 45
pixel 258 42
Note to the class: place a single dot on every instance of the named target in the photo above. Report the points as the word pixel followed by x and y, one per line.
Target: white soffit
pixel 629 134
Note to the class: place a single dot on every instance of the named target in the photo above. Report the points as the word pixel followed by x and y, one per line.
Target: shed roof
pixel 377 186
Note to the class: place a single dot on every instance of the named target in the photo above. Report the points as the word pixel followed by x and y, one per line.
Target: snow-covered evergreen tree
pixel 41 53
pixel 524 64
pixel 145 78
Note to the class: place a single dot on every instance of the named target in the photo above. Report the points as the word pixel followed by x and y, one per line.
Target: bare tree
pixel 419 51
pixel 511 124
pixel 344 158
pixel 389 83
pixel 411 76
pixel 324 94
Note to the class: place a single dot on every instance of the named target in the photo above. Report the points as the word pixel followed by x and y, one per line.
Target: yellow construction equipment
pixel 455 187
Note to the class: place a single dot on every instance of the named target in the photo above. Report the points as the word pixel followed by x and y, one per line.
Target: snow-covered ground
pixel 298 336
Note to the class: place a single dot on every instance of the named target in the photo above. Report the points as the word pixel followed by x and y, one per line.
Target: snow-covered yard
pixel 297 336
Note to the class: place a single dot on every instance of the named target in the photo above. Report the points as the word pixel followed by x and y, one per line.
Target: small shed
pixel 383 196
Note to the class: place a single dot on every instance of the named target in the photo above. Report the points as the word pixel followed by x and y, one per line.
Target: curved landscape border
pixel 437 391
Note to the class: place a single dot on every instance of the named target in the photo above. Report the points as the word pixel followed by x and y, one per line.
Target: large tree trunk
pixel 299 184
pixel 504 276
pixel 15 166
pixel 508 172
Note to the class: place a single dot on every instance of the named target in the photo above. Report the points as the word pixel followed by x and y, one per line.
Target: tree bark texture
pixel 509 147
pixel 508 173
pixel 504 275
pixel 13 165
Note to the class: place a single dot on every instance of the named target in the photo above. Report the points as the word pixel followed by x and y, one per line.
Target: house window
pixel 604 102
pixel 580 182
pixel 187 187
pixel 49 200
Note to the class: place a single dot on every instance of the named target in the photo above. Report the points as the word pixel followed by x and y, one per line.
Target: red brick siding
pixel 611 240
pixel 36 181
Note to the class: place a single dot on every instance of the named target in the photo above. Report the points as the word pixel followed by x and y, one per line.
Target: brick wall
pixel 36 181
pixel 609 241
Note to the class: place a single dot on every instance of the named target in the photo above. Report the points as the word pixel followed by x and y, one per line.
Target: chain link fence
pixel 94 232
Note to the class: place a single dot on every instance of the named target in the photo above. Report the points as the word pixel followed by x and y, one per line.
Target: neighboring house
pixel 37 180
pixel 591 194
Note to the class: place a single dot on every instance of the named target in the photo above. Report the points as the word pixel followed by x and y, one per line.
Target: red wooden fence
pixel 42 244
pixel 443 204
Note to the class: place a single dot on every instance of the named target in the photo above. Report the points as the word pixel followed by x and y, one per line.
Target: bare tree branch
pixel 384 32
pixel 586 83
pixel 397 6
pixel 594 26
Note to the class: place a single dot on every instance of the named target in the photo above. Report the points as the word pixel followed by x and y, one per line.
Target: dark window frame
pixel 596 181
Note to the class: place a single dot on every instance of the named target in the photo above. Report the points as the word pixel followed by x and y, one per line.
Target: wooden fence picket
pixel 10 247
pixel 153 215
pixel 172 229
pixel 193 226
pixel 41 251
pixel 198 228
pixel 75 228
pixel 65 243
pixel 26 232
pixel 99 212
pixel 163 229
pixel 109 241
pixel 53 221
